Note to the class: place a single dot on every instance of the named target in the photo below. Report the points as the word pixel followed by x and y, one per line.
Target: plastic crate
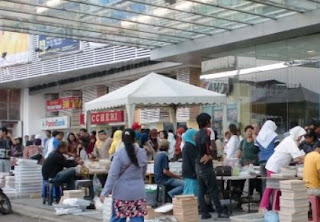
pixel 257 217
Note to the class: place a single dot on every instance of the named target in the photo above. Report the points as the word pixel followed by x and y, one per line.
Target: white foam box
pixel 301 217
pixel 296 185
pixel 293 203
pixel 294 195
pixel 73 194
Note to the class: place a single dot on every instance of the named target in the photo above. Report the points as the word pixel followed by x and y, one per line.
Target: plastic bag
pixel 97 187
pixel 271 216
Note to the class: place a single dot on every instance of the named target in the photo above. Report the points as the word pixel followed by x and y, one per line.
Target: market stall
pixel 155 90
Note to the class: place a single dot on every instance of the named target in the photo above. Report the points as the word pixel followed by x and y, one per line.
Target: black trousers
pixel 208 184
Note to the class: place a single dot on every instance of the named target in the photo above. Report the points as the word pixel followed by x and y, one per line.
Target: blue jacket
pixel 266 152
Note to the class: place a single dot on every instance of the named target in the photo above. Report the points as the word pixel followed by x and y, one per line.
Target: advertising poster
pixel 63 104
pixel 49 45
pixel 232 113
pixel 14 48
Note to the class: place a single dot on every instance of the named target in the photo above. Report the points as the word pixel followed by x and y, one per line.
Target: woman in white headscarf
pixel 285 152
pixel 172 146
pixel 266 141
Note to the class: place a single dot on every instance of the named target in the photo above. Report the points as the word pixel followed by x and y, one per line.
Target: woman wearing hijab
pixel 180 131
pixel 145 144
pixel 285 152
pixel 266 141
pixel 172 142
pixel 117 137
pixel 126 181
pixel 189 155
pixel 154 140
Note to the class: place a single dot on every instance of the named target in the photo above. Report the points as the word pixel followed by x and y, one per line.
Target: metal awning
pixel 143 23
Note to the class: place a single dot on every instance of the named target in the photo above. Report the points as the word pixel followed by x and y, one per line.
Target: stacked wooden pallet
pixel 294 203
pixel 185 208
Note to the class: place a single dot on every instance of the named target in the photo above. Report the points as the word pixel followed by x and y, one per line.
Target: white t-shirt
pixel 282 157
pixel 50 147
pixel 232 147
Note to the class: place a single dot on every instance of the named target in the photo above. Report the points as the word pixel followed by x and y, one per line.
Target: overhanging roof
pixel 143 23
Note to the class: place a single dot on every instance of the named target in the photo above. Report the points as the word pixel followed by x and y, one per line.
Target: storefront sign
pixel 63 104
pixel 61 122
pixel 57 45
pixel 14 48
pixel 107 117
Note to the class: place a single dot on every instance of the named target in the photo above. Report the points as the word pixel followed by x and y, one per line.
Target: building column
pixel 189 75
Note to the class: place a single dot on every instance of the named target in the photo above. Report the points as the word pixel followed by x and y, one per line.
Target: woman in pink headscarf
pixel 178 151
pixel 154 141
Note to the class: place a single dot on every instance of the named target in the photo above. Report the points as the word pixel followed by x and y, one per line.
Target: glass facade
pixel 9 105
pixel 278 81
pixel 144 23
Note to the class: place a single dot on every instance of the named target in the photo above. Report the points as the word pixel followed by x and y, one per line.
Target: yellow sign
pixel 14 48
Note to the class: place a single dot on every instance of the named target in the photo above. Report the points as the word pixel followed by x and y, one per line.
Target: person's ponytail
pixel 128 138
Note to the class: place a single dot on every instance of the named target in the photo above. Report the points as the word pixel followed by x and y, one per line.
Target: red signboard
pixel 82 117
pixel 107 117
pixel 63 104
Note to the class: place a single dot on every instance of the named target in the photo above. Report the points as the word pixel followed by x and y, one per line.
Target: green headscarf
pixel 189 136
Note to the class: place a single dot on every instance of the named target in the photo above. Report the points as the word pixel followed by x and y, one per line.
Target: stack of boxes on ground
pixel 7 183
pixel 28 177
pixel 72 202
pixel 184 208
pixel 294 203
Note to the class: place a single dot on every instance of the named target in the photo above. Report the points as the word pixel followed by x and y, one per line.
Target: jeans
pixel 66 176
pixel 208 184
pixel 132 219
pixel 175 186
pixel 5 166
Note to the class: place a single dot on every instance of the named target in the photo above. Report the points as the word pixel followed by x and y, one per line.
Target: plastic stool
pixel 51 191
pixel 315 207
pixel 161 188
pixel 86 184
pixel 276 200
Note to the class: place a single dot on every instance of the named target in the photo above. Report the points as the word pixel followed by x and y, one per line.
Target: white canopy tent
pixel 155 90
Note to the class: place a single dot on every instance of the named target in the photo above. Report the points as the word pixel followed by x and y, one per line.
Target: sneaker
pixel 205 216
pixel 223 215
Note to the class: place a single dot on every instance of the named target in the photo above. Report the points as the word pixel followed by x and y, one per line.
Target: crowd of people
pixel 131 149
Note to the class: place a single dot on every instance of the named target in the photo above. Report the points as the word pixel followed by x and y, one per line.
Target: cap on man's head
pixel 164 144
pixel 102 132
pixel 135 126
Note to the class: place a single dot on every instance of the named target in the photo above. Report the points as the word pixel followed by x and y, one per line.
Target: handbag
pixel 223 171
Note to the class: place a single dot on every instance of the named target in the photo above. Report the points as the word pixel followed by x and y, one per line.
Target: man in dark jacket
pixel 53 167
pixel 204 169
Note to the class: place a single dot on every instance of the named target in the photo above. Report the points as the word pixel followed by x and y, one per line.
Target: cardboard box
pixel 293 203
pixel 73 194
pixel 290 210
pixel 185 208
pixel 294 195
pixel 151 214
pixel 293 217
pixel 294 185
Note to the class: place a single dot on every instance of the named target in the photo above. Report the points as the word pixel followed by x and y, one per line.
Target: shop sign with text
pixel 64 104
pixel 107 117
pixel 61 122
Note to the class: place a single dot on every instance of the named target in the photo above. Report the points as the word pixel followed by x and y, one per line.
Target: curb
pixel 46 215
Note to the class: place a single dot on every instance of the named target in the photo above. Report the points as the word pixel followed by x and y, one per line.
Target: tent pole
pixel 130 108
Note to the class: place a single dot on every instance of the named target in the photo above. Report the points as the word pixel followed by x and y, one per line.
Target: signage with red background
pixel 63 104
pixel 107 117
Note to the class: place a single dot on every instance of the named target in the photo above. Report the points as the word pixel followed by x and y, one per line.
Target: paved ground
pixel 18 218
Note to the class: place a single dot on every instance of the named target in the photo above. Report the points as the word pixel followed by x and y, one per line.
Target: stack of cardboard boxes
pixel 185 208
pixel 294 203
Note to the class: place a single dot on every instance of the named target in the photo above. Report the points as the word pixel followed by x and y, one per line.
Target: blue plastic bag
pixel 271 216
